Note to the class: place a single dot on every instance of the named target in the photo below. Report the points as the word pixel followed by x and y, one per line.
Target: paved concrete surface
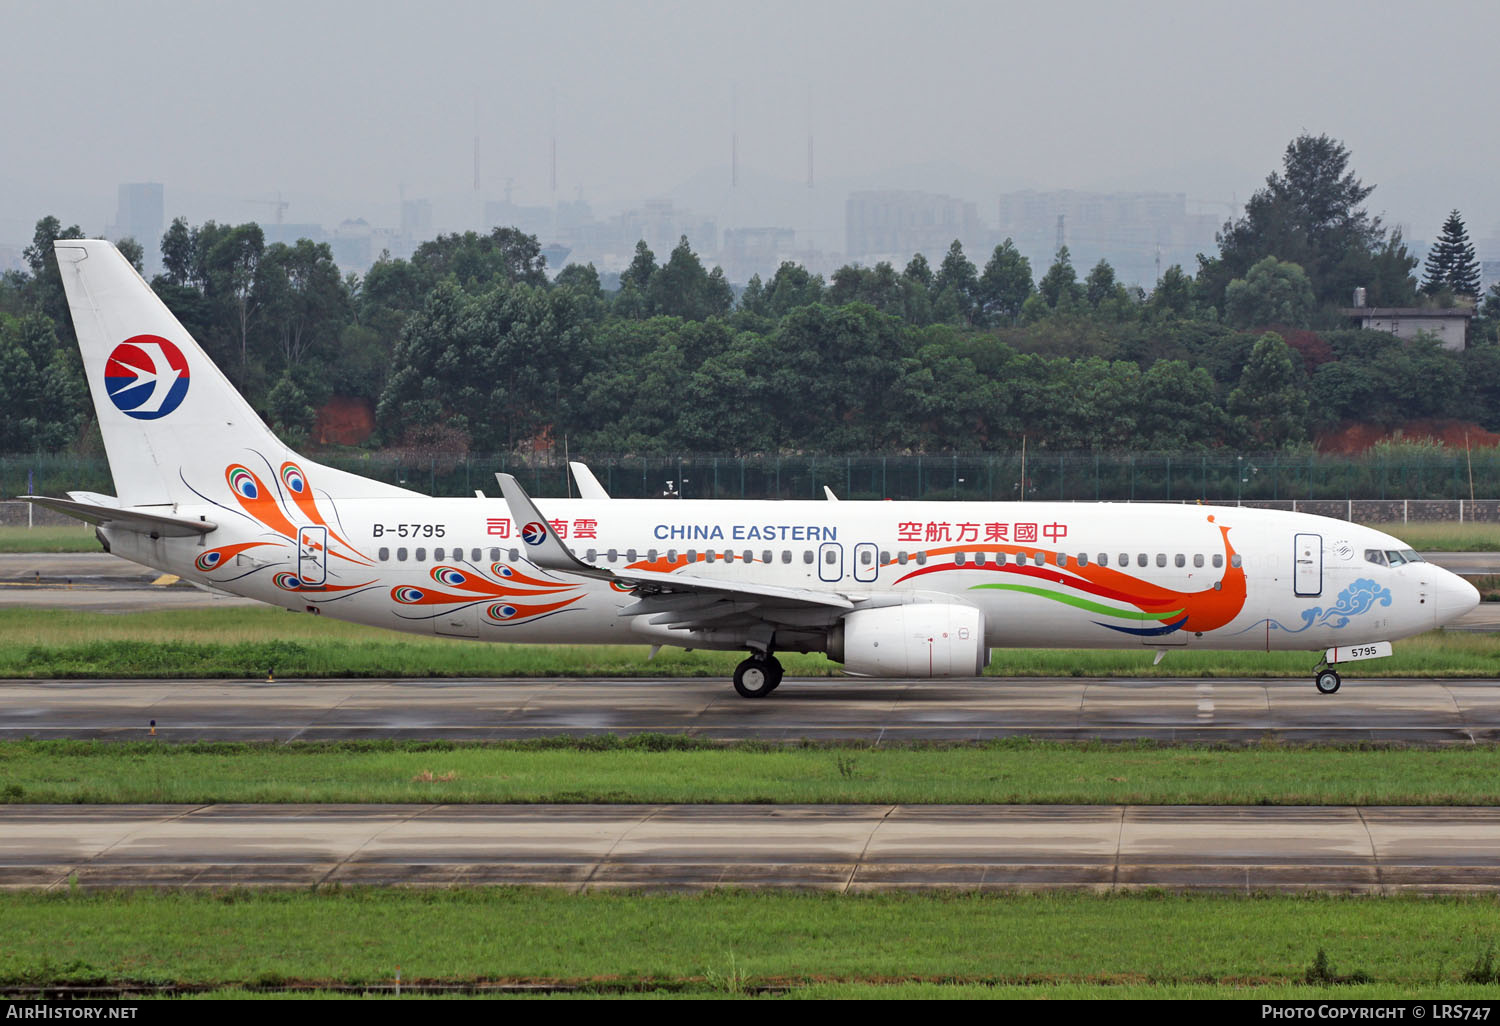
pixel 1423 712
pixel 831 847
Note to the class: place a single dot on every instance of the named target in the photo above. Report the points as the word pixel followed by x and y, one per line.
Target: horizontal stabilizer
pixel 162 525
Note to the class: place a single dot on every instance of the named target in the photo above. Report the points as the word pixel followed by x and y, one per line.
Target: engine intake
pixel 917 640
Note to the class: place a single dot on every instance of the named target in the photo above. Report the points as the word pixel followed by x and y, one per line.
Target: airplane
pixel 889 589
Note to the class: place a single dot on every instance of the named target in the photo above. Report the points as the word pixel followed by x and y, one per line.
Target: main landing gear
pixel 757 676
pixel 1327 680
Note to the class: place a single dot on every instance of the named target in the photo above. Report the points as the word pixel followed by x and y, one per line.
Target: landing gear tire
pixel 1328 681
pixel 756 677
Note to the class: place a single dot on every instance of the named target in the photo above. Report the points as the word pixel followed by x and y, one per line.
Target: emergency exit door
pixel 1307 565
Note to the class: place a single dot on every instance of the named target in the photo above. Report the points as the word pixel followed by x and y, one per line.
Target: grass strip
pixel 249 642
pixel 1445 536
pixel 77 537
pixel 1049 944
pixel 669 769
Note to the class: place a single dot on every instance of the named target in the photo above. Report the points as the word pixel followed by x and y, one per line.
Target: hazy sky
pixel 338 104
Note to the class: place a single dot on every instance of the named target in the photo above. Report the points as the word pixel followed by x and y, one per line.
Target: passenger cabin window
pixel 1140 559
pixel 830 557
pixel 958 559
pixel 692 555
pixel 901 558
pixel 671 556
pixel 807 555
pixel 749 556
pixel 1062 559
pixel 591 554
pixel 1083 559
pixel 1180 560
pixel 864 557
pixel 999 559
pixel 1161 559
pixel 421 555
pixel 1124 559
pixel 475 555
pixel 1197 559
pixel 786 555
pixel 1235 560
pixel 514 556
pixel 921 559
pixel 385 554
pixel 1040 559
pixel 401 555
pixel 614 554
pixel 1104 559
pixel 494 555
pixel 708 556
pixel 437 554
pixel 979 558
pixel 1218 560
pixel 630 555
pixel 885 557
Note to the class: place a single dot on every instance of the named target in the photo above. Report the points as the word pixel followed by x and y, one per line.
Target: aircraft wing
pixel 96 509
pixel 677 600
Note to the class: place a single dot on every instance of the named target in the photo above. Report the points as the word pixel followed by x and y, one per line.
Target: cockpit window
pixel 1412 556
pixel 1395 557
pixel 1377 557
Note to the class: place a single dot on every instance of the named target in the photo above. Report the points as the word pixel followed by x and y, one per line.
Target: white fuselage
pixel 1064 575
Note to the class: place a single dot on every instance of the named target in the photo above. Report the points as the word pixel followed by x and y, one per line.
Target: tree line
pixel 470 346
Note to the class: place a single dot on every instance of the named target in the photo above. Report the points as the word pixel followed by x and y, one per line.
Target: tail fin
pixel 167 414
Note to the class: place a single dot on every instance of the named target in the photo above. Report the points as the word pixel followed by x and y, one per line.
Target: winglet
pixel 588 485
pixel 829 493
pixel 543 547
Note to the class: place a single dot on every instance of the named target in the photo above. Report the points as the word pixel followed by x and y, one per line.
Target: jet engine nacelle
pixel 916 640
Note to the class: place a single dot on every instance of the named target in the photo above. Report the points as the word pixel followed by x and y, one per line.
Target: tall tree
pixel 1059 287
pixel 1451 265
pixel 1005 285
pixel 958 275
pixel 1274 292
pixel 1311 214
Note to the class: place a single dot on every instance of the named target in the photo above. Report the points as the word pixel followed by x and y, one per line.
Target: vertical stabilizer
pixel 167 414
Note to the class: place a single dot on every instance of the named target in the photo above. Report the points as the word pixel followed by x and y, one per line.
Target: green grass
pixel 246 642
pixel 70 538
pixel 1445 536
pixel 653 769
pixel 1043 945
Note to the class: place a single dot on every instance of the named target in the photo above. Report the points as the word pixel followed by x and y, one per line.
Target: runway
pixel 1420 712
pixel 846 848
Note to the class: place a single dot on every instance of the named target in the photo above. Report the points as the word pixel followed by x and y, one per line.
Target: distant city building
pixel 895 225
pixel 1449 326
pixel 139 215
pixel 416 220
pixel 752 251
pixel 1137 232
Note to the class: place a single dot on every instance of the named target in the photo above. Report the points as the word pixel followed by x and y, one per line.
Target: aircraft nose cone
pixel 1452 597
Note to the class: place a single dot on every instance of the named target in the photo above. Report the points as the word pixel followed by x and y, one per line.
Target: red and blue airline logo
pixel 146 377
pixel 534 533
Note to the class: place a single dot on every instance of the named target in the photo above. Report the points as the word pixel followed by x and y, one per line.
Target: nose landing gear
pixel 757 676
pixel 1327 681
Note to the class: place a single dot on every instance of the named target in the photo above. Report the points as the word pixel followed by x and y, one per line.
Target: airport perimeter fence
pixel 1280 480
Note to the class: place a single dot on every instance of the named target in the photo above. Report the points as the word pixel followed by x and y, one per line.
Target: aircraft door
pixel 866 562
pixel 831 562
pixel 312 556
pixel 1307 563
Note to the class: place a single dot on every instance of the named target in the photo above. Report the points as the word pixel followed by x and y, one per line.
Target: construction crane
pixel 279 203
